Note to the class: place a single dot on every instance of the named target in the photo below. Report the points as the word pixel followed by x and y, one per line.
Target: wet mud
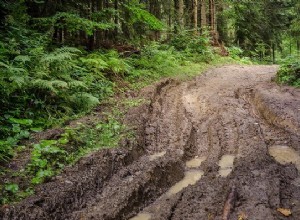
pixel 225 145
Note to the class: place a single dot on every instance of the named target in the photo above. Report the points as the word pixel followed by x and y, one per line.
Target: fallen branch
pixel 229 204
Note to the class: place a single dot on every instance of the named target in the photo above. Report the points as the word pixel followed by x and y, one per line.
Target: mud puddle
pixel 190 178
pixel 157 155
pixel 226 165
pixel 142 216
pixel 285 155
pixel 195 162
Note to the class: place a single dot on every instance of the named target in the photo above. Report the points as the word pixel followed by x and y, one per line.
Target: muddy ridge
pixel 225 145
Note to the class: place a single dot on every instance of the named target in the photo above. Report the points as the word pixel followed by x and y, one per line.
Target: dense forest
pixel 62 58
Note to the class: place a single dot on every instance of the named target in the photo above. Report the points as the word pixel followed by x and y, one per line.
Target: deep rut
pixel 224 145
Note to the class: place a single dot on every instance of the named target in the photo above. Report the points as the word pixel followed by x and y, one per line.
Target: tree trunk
pixel 180 14
pixel 273 53
pixel 116 6
pixel 195 16
pixel 203 14
pixel 170 13
pixel 213 22
pixel 212 7
pixel 155 9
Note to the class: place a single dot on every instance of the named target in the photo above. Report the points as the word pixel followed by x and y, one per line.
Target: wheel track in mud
pixel 228 112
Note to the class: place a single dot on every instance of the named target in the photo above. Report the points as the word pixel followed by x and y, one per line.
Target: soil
pixel 224 145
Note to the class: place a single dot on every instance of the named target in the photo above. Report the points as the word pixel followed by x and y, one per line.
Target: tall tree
pixel 203 14
pixel 195 16
pixel 212 10
pixel 179 15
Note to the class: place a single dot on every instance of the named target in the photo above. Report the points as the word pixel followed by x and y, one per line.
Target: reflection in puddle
pixel 226 165
pixel 285 155
pixel 142 216
pixel 190 178
pixel 195 163
pixel 156 156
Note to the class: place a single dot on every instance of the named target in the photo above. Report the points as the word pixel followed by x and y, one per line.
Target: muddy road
pixel 225 145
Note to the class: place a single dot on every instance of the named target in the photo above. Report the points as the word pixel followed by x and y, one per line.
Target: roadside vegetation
pixel 60 61
pixel 289 73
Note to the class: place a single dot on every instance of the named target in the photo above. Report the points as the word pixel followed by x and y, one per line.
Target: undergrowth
pixel 289 72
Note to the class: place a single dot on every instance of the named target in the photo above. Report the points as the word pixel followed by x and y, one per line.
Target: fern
pixel 83 101
pixel 12 77
pixel 59 84
pixel 95 63
pixel 57 56
pixel 22 58
pixel 77 84
pixel 44 85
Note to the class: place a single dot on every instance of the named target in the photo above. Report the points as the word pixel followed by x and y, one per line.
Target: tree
pixel 203 14
pixel 195 16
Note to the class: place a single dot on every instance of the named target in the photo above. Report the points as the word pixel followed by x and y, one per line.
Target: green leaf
pixel 45 143
pixel 21 121
pixel 36 129
pixel 12 187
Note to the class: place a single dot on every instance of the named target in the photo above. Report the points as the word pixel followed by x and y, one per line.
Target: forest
pixel 61 60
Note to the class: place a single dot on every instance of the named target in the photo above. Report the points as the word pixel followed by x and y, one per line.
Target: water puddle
pixel 141 216
pixel 190 178
pixel 156 156
pixel 195 163
pixel 285 155
pixel 226 165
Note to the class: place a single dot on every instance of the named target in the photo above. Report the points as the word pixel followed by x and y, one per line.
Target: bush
pixel 187 41
pixel 289 72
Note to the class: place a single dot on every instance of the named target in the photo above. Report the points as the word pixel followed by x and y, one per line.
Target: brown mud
pixel 225 145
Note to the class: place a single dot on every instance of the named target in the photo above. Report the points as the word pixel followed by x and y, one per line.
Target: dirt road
pixel 225 145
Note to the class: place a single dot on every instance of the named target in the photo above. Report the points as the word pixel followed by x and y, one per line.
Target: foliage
pixel 46 159
pixel 187 41
pixel 140 15
pixel 18 129
pixel 263 33
pixel 8 190
pixel 73 23
pixel 235 52
pixel 289 72
pixel 11 192
pixel 49 157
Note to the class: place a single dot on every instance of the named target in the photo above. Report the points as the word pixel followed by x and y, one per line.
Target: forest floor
pixel 224 145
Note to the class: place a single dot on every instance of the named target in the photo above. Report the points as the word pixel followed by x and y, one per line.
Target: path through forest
pixel 224 145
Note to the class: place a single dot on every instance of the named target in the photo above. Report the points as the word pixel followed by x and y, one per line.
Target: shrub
pixel 289 72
